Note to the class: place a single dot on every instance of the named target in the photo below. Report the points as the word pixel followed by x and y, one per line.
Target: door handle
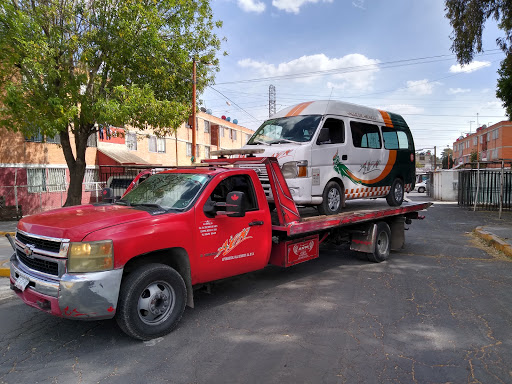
pixel 344 157
pixel 255 222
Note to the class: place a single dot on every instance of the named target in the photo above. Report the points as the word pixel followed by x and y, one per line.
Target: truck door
pixel 229 246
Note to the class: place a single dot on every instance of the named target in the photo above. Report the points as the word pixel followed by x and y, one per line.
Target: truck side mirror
pixel 107 195
pixel 235 204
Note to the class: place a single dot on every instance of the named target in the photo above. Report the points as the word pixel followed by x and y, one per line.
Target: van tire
pixel 151 301
pixel 332 199
pixel 382 243
pixel 395 196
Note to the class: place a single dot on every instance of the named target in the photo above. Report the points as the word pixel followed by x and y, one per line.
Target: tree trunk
pixel 76 165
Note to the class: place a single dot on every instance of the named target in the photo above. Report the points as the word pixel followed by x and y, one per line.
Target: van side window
pixel 238 183
pixel 390 138
pixel 333 132
pixel 365 135
pixel 403 140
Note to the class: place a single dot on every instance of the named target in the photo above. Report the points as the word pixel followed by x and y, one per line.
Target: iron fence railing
pixel 485 189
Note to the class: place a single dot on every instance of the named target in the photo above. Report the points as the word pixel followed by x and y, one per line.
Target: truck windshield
pixel 293 129
pixel 167 190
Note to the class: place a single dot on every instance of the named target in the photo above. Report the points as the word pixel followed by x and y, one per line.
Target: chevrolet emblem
pixel 28 250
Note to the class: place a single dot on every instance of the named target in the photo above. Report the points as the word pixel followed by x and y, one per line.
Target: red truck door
pixel 229 246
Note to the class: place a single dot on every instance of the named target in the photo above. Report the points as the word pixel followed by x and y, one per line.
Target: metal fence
pixel 485 189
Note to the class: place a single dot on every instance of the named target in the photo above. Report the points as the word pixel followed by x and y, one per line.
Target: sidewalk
pixel 498 237
pixel 6 227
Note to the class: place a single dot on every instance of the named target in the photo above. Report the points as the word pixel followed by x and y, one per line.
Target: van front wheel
pixel 332 199
pixel 395 196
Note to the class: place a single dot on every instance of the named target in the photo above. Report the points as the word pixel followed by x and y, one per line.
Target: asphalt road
pixel 438 311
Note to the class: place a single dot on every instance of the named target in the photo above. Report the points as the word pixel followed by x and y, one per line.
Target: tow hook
pixel 11 241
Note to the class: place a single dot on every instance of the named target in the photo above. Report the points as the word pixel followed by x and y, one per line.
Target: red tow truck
pixel 139 258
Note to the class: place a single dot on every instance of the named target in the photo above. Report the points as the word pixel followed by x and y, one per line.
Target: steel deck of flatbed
pixel 359 213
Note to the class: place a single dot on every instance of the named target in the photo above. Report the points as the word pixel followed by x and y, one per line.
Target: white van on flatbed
pixel 332 151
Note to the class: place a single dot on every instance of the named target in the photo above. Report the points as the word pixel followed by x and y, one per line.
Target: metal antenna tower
pixel 271 100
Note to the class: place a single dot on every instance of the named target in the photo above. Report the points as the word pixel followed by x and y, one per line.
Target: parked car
pixel 421 187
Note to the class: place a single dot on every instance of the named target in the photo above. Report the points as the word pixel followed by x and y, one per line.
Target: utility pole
pixel 271 100
pixel 193 159
pixel 435 158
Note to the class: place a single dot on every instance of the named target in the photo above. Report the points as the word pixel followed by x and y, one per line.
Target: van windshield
pixel 293 129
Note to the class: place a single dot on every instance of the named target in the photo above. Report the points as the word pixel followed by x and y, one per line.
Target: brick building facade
pixel 34 174
pixel 491 143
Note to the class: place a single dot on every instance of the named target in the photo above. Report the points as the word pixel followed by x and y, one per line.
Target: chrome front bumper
pixel 78 296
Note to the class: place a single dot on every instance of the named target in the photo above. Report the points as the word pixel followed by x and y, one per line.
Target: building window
pixel 207 126
pixel 495 134
pixel 475 140
pixel 160 144
pixel 92 141
pixel 53 140
pixel 131 141
pixel 482 139
pixel 489 136
pixel 189 149
pixel 232 134
pixel 37 137
pixel 36 180
pixel 197 151
pixel 206 152
pixel 221 130
pixel 56 179
pixel 91 180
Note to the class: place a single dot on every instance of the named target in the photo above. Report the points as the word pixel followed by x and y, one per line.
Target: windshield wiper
pixel 280 141
pixel 258 142
pixel 148 205
pixel 123 202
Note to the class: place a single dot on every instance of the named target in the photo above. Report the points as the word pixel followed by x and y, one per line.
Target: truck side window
pixel 238 183
pixel 365 135
pixel 333 132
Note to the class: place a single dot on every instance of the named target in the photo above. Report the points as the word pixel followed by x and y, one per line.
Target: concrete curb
pixel 494 241
pixel 5 269
pixel 3 233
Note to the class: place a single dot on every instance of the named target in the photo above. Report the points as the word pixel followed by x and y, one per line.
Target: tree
pixel 69 65
pixel 447 158
pixel 468 18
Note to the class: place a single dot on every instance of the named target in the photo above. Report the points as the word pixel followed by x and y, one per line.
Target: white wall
pixel 445 185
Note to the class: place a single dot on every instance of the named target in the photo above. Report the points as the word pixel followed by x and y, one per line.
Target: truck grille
pixel 42 244
pixel 37 264
pixel 261 171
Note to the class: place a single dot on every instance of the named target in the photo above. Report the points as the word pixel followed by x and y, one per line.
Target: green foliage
pixel 468 18
pixel 66 65
pixel 447 158
pixel 474 157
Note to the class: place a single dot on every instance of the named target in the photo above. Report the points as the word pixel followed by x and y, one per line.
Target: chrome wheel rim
pixel 382 243
pixel 399 192
pixel 156 303
pixel 333 199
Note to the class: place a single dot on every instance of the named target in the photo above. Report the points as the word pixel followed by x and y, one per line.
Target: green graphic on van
pixel 343 170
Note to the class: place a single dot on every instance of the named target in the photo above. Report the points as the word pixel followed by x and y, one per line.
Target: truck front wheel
pixel 151 301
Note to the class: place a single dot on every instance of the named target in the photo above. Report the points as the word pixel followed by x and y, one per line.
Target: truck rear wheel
pixel 332 199
pixel 395 196
pixel 151 301
pixel 382 243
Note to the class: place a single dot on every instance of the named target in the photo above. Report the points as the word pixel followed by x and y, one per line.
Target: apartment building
pixel 491 143
pixel 34 174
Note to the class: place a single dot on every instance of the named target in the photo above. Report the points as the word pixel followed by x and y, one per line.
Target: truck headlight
pixel 92 256
pixel 294 169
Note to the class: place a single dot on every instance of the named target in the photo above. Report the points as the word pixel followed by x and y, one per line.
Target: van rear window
pixel 394 139
pixel 365 135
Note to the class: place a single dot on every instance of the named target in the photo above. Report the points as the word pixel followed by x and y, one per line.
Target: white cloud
pixel 359 4
pixel 422 87
pixel 454 91
pixel 350 72
pixel 471 67
pixel 251 5
pixel 293 6
pixel 403 109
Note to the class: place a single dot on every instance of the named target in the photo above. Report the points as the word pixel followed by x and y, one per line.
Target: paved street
pixel 438 311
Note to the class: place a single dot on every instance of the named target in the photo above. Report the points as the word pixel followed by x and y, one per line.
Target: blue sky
pixel 393 55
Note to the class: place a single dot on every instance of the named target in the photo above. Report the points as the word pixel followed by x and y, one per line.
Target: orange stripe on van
pixel 298 109
pixel 384 173
pixel 387 119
